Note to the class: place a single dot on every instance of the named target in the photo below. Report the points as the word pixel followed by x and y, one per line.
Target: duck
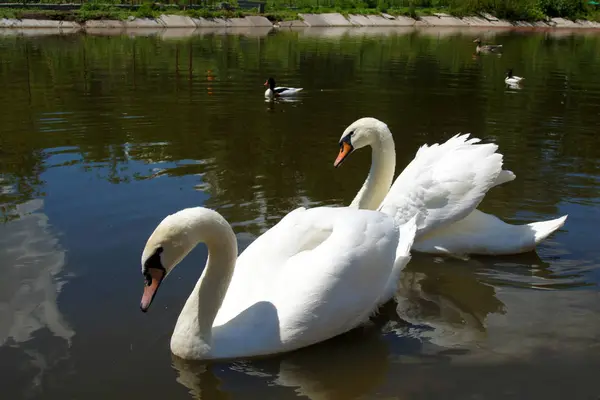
pixel 316 274
pixel 443 185
pixel 273 91
pixel 512 79
pixel 486 48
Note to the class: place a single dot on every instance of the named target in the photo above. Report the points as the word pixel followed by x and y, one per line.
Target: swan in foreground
pixel 511 79
pixel 314 275
pixel 279 91
pixel 444 184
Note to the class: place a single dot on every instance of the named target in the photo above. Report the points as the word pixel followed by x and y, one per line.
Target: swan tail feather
pixel 445 182
pixel 504 176
pixel 481 233
pixel 542 230
pixel 407 238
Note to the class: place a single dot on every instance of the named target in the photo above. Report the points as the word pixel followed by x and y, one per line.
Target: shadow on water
pixel 349 366
pixel 279 104
pixel 448 300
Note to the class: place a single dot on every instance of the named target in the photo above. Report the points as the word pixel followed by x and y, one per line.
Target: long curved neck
pixel 192 336
pixel 381 174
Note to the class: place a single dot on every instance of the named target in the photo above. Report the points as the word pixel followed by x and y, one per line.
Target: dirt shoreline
pixel 304 21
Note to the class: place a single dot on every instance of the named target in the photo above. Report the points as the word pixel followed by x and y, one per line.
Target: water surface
pixel 101 137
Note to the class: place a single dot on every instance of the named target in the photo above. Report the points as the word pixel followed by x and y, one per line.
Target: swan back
pixel 444 183
pixel 338 283
pixel 323 270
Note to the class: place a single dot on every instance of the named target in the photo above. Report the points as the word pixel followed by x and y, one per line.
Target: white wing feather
pixel 444 183
pixel 319 272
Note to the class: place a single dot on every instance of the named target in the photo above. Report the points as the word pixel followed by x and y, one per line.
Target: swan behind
pixel 443 186
pixel 481 233
pixel 316 274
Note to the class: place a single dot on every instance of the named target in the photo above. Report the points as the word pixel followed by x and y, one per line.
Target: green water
pixel 103 136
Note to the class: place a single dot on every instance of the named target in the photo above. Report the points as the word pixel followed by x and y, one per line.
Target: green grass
pixel 279 10
pixel 86 13
pixel 513 10
pixel 207 13
pixel 281 15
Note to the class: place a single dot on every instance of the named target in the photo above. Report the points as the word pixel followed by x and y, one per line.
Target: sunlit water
pixel 101 137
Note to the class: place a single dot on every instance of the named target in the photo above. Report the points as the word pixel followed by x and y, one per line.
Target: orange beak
pixel 150 289
pixel 266 83
pixel 345 150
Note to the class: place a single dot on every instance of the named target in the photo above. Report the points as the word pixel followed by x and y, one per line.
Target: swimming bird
pixel 512 79
pixel 487 48
pixel 444 184
pixel 316 274
pixel 279 91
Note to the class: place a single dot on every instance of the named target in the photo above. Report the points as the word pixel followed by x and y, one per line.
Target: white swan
pixel 279 91
pixel 316 274
pixel 444 184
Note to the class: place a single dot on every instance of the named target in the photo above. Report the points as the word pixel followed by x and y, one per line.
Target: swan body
pixel 314 275
pixel 487 48
pixel 442 186
pixel 279 91
pixel 511 79
pixel 481 233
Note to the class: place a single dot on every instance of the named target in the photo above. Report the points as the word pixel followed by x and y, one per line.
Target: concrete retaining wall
pixel 306 20
pixel 37 23
pixel 438 20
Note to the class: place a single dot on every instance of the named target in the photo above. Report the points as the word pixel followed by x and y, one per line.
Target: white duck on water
pixel 512 79
pixel 279 91
pixel 443 185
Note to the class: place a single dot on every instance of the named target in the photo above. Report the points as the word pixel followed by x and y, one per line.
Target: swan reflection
pixel 445 301
pixel 345 367
pixel 32 262
pixel 448 302
pixel 272 102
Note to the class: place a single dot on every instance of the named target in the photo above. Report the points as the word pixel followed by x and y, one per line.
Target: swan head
pixel 361 133
pixel 170 242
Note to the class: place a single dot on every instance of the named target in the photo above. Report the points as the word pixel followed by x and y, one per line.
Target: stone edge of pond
pixel 304 21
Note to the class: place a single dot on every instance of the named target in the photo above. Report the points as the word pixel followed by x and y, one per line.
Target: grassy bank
pixel 512 10
pixel 96 11
pixel 279 10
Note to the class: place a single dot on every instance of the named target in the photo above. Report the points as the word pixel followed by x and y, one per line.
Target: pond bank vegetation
pixel 282 10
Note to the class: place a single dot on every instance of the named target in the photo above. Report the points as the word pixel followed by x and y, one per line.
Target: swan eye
pixel 153 262
pixel 347 139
